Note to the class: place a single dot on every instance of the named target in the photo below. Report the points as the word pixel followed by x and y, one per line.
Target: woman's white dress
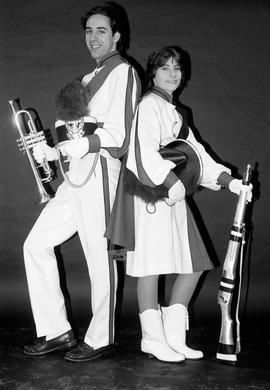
pixel 167 241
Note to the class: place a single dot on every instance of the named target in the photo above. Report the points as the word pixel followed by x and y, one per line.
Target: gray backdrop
pixel 42 48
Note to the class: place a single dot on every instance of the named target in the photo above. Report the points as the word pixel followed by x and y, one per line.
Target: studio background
pixel 43 48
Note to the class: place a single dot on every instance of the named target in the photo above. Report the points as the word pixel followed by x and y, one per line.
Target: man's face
pixel 99 36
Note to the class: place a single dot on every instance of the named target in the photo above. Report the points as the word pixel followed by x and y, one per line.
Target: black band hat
pixel 71 130
pixel 187 160
pixel 72 114
pixel 188 169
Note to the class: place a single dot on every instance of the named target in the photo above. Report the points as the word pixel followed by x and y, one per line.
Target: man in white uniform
pixel 113 87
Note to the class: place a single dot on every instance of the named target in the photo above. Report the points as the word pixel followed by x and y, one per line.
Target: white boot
pixel 175 321
pixel 153 338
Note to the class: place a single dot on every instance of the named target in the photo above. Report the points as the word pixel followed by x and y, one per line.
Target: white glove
pixel 176 193
pixel 76 148
pixel 236 186
pixel 42 150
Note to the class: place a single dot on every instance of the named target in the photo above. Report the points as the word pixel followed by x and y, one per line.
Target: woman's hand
pixel 176 193
pixel 236 186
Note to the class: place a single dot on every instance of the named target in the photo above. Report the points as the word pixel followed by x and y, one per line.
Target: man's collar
pixel 106 58
pixel 163 94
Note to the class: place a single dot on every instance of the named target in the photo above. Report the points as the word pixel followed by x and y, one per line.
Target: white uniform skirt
pixel 167 241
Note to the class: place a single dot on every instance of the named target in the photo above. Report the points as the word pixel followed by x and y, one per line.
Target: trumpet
pixel 29 137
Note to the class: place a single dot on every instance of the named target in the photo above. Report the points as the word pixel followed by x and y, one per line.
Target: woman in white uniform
pixel 167 240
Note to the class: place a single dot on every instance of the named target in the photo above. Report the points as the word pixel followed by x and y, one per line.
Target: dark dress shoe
pixel 83 352
pixel 60 343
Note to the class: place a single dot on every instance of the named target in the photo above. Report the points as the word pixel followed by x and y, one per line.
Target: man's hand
pixel 42 150
pixel 176 193
pixel 76 148
pixel 236 186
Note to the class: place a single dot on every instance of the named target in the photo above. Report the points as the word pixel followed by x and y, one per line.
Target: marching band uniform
pixel 166 238
pixel 166 241
pixel 114 91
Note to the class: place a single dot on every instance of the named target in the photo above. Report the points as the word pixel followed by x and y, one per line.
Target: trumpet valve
pixel 20 145
pixel 33 139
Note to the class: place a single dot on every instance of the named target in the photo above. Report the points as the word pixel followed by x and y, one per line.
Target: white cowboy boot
pixel 175 322
pixel 153 340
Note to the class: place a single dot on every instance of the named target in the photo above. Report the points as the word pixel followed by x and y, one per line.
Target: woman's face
pixel 168 76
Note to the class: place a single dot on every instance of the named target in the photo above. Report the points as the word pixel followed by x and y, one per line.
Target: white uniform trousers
pixel 73 210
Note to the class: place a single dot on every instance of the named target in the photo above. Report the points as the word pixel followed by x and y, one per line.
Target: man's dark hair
pixel 118 21
pixel 159 58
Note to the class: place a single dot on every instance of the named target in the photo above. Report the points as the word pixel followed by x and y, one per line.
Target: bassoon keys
pixel 229 339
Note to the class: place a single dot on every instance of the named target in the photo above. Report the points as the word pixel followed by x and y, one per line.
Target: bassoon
pixel 229 339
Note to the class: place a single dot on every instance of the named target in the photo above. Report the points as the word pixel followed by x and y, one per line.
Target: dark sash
pixel 98 80
pixel 144 179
